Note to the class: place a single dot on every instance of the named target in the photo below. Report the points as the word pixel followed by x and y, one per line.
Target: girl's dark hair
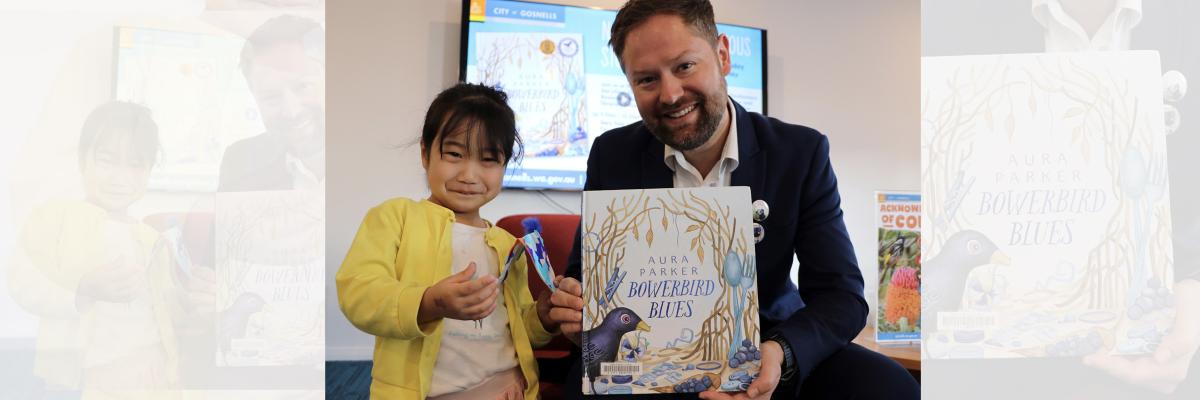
pixel 473 108
pixel 120 118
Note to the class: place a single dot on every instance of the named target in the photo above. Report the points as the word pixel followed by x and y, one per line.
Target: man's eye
pixel 687 66
pixel 645 81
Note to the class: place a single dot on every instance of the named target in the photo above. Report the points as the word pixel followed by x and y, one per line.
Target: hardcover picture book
pixel 670 291
pixel 1047 216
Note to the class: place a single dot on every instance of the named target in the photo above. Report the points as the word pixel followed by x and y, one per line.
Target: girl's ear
pixel 424 157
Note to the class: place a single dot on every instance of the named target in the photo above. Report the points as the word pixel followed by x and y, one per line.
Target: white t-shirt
pixel 472 352
pixel 122 330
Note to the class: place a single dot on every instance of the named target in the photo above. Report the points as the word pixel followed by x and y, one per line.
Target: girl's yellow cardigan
pixel 402 248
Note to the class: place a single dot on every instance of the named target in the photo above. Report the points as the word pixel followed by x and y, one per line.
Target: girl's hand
pixel 460 297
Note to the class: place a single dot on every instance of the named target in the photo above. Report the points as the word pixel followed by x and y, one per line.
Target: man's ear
pixel 723 54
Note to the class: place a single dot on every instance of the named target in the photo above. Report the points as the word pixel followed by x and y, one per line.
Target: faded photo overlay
pixel 1059 231
pixel 162 199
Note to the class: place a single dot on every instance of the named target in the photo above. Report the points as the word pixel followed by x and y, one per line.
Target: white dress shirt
pixel 303 178
pixel 1064 33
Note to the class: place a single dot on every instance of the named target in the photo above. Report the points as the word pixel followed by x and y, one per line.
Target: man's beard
pixel 706 124
pixel 303 135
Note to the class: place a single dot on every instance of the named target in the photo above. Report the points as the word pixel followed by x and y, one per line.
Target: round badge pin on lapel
pixel 759 233
pixel 761 211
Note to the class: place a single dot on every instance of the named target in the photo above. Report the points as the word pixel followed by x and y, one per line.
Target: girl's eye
pixel 453 154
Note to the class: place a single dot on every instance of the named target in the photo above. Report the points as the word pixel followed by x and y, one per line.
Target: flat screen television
pixel 191 83
pixel 565 84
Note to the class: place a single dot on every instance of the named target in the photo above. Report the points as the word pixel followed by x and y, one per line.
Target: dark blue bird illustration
pixel 602 343
pixel 233 321
pixel 946 273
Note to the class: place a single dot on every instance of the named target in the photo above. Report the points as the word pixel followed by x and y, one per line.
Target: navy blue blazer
pixel 788 167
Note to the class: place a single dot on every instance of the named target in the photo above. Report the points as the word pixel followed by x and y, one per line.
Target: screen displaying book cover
pixel 566 85
pixel 179 75
pixel 1047 222
pixel 898 218
pixel 670 291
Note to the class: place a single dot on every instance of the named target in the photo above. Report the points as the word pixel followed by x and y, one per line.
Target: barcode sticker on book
pixel 620 368
pixel 965 320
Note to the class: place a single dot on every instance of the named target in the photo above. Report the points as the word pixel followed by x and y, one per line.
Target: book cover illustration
pixel 1047 223
pixel 543 75
pixel 270 288
pixel 898 218
pixel 670 290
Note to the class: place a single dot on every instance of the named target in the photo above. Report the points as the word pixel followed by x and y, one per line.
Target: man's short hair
pixel 696 13
pixel 284 29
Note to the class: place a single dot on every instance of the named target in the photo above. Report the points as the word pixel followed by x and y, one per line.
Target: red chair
pixel 197 232
pixel 558 231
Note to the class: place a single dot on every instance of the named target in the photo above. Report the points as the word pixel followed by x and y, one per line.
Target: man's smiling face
pixel 678 80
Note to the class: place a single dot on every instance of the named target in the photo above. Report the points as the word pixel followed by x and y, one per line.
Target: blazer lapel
pixel 752 164
pixel 655 174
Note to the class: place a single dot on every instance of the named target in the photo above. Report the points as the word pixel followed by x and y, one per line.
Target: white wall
pixel 849 69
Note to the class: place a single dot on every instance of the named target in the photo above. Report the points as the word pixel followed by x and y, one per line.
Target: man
pixel 283 62
pixel 692 134
pixel 284 65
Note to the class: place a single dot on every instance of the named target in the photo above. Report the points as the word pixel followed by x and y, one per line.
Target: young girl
pixel 422 275
pixel 91 272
